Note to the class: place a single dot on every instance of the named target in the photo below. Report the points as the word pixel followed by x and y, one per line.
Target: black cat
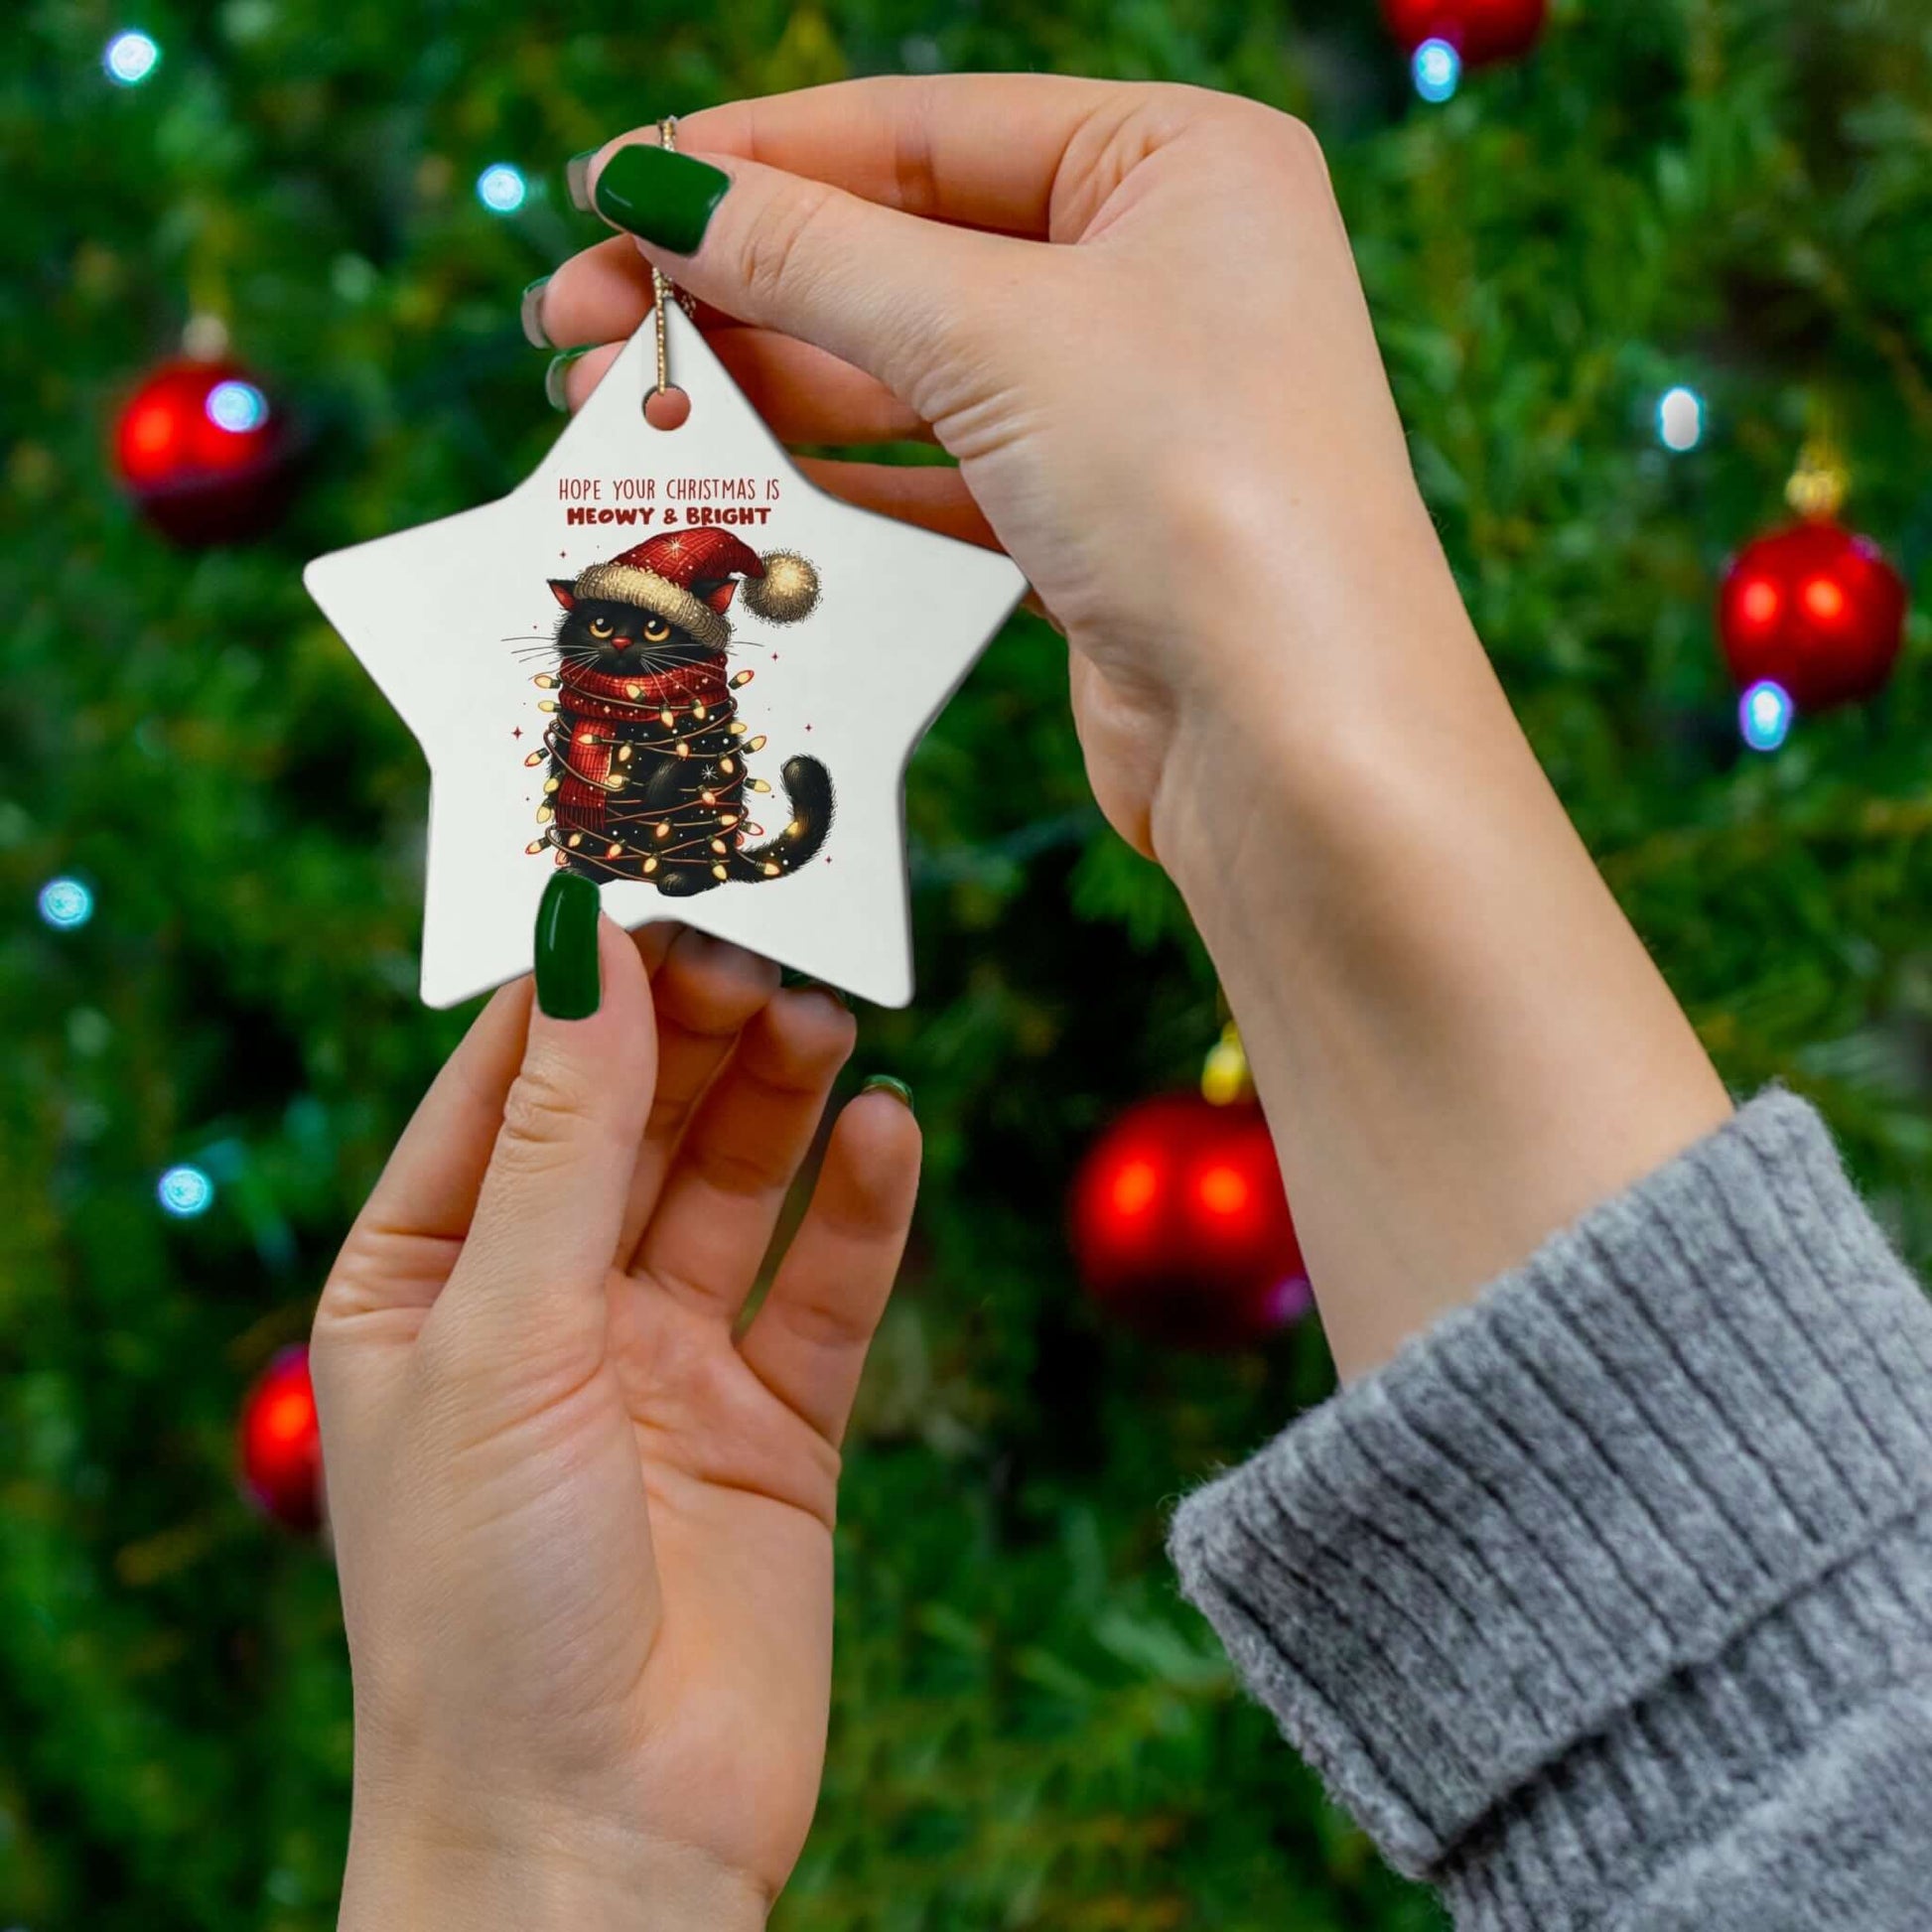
pixel 647 754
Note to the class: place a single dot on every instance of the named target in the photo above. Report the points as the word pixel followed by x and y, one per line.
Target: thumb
pixel 888 292
pixel 548 1215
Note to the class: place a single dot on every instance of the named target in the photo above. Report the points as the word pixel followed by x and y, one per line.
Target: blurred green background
pixel 1029 1730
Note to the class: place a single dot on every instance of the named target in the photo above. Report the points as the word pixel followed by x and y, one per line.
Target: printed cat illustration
pixel 646 752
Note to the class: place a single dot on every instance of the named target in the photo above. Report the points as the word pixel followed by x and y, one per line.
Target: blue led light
pixel 65 904
pixel 185 1191
pixel 1764 714
pixel 130 58
pixel 1437 70
pixel 1680 419
pixel 236 406
pixel 501 189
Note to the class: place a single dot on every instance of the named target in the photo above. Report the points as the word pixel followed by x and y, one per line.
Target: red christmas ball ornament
pixel 204 453
pixel 1180 1225
pixel 1483 31
pixel 281 1445
pixel 1813 609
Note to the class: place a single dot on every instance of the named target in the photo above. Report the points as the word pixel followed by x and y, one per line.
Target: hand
pixel 1176 420
pixel 585 1535
pixel 1192 375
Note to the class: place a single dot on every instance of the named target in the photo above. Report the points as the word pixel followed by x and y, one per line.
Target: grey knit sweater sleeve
pixel 1607 1604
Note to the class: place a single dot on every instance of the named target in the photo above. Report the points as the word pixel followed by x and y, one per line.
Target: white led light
pixel 185 1191
pixel 1437 70
pixel 130 58
pixel 236 406
pixel 1764 714
pixel 1680 419
pixel 65 904
pixel 501 189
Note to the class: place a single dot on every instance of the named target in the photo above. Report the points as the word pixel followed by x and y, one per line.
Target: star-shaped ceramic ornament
pixel 668 661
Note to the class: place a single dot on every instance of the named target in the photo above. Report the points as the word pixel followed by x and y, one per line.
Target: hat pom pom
pixel 787 592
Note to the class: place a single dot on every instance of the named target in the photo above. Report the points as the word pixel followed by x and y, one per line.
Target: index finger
pixel 981 150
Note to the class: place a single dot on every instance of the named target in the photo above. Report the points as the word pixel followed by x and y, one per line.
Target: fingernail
pixel 554 391
pixel 530 310
pixel 884 1083
pixel 577 178
pixel 830 992
pixel 568 983
pixel 664 196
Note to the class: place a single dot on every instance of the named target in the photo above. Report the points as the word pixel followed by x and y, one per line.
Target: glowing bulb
pixel 130 58
pixel 1437 70
pixel 65 904
pixel 1135 1187
pixel 236 407
pixel 1680 419
pixel 501 189
pixel 1764 714
pixel 184 1193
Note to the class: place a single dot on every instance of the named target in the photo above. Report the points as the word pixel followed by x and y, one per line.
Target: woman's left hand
pixel 584 1525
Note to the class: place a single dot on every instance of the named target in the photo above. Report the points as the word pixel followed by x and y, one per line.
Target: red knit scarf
pixel 592 698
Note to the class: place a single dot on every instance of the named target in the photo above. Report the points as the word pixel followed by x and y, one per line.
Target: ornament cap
pixel 1822 481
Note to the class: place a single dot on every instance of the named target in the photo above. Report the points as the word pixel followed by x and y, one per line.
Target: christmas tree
pixel 1619 282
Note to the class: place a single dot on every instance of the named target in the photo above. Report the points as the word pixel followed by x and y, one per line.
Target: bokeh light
pixel 1764 714
pixel 502 188
pixel 236 406
pixel 130 58
pixel 1680 419
pixel 1437 70
pixel 185 1191
pixel 65 904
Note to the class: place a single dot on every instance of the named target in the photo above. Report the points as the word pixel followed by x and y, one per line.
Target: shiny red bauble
pixel 1480 30
pixel 281 1446
pixel 204 453
pixel 1817 609
pixel 1180 1225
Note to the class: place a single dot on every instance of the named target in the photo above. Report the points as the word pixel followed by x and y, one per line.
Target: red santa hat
pixel 689 577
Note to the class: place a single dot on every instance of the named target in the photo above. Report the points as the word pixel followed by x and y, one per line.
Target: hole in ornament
pixel 667 408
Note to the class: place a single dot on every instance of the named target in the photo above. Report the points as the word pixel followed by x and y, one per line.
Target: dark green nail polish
pixel 530 312
pixel 554 392
pixel 665 197
pixel 568 982
pixel 884 1083
pixel 577 179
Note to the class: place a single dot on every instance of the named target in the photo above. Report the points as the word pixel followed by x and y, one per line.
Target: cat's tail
pixel 808 791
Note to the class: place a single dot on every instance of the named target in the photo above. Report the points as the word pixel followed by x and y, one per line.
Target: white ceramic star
pixel 438 615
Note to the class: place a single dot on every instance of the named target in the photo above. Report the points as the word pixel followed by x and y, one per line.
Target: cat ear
pixel 564 593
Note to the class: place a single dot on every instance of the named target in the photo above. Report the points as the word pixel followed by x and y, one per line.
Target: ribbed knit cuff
pixel 1579 1521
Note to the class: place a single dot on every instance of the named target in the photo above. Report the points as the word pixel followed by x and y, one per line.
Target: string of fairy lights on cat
pixel 722 800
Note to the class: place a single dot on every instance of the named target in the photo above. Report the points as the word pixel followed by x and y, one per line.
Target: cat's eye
pixel 601 626
pixel 656 630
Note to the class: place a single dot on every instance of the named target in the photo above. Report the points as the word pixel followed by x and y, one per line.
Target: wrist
pixel 1460 1043
pixel 538 1875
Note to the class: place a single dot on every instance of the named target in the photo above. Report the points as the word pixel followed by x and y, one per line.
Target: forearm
pixel 1460 1043
pixel 406 1871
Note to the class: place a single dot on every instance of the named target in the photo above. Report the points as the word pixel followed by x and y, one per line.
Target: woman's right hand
pixel 1132 315
pixel 1177 423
